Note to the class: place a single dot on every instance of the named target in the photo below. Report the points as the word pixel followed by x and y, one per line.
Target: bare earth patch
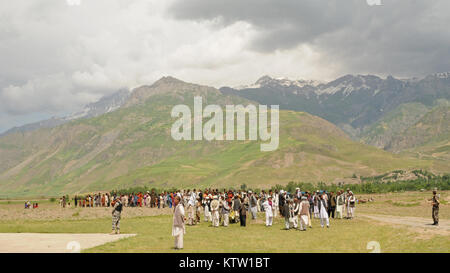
pixel 54 212
pixel 53 243
pixel 420 225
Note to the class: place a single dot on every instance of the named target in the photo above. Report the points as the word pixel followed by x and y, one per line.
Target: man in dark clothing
pixel 253 205
pixel 286 214
pixel 331 205
pixel 282 201
pixel 243 212
pixel 236 208
pixel 435 204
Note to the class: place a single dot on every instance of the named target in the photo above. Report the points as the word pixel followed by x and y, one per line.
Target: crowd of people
pixel 232 206
pixel 29 205
pixel 222 207
pixel 148 199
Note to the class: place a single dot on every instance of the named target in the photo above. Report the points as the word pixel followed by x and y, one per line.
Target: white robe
pixel 178 231
pixel 323 214
pixel 269 213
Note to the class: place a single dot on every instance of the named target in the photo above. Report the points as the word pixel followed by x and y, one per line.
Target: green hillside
pixel 133 146
pixel 429 138
pixel 392 124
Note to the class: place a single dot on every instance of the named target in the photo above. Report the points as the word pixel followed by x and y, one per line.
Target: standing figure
pixel 116 214
pixel 215 211
pixel 236 207
pixel 286 214
pixel 275 203
pixel 340 205
pixel 178 227
pixel 281 201
pixel 346 197
pixel 268 209
pixel 253 205
pixel 225 211
pixel 243 212
pixel 351 205
pixel 435 204
pixel 296 209
pixel 207 204
pixel 323 214
pixel 191 209
pixel 316 205
pixel 304 213
pixel 331 205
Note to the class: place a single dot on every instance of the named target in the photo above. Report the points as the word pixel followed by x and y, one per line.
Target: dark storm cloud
pixel 400 37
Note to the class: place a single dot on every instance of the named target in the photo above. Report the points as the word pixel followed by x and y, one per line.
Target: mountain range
pixel 370 109
pixel 325 128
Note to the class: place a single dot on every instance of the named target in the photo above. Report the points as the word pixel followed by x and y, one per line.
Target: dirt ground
pixel 411 204
pixel 53 243
pixel 52 211
pixel 418 224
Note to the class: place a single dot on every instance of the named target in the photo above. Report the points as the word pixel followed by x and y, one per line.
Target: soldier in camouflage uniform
pixel 435 204
pixel 117 211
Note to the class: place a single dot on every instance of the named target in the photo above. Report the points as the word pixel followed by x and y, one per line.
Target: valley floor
pixel 398 222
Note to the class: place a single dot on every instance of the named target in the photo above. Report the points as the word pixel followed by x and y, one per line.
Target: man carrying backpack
pixel 117 211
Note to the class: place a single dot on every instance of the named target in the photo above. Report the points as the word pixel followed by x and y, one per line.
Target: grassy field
pixel 154 232
pixel 405 204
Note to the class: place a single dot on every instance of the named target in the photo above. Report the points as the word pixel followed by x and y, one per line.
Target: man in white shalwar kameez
pixel 304 213
pixel 148 199
pixel 269 211
pixel 316 205
pixel 191 209
pixel 323 214
pixel 215 211
pixel 178 227
pixel 296 210
pixel 275 204
pixel 207 203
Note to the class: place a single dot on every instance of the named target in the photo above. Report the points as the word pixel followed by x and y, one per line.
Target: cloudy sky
pixel 58 55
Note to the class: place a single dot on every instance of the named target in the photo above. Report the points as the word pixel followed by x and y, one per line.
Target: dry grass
pixel 405 204
pixel 52 211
